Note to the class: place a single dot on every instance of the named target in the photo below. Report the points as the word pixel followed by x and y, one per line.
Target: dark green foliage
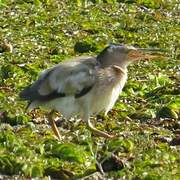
pixel 83 47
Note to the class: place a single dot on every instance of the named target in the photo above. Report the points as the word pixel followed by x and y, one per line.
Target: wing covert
pixel 67 79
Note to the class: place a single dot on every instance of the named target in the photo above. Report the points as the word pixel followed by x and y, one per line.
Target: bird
pixel 84 86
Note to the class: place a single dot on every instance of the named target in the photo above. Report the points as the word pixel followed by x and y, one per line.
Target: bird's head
pixel 123 55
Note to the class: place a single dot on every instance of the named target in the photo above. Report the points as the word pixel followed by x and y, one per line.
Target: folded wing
pixel 68 79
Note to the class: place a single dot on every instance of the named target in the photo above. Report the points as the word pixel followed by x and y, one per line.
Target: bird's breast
pixel 106 92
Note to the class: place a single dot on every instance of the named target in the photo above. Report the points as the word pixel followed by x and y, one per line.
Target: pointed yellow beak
pixel 142 54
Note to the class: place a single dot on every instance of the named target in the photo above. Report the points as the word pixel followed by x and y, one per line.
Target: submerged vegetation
pixel 145 118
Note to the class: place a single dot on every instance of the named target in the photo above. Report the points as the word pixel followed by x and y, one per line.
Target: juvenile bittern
pixel 84 86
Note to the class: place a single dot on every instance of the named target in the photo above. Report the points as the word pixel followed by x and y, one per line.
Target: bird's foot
pixel 98 132
pixel 103 134
pixel 57 138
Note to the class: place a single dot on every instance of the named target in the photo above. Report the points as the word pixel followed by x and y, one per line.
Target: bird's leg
pixel 53 125
pixel 96 131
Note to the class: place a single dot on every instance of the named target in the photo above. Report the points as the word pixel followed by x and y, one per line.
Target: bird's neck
pixel 122 65
pixel 108 61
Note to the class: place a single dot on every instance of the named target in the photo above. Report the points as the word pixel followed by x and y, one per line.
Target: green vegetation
pixel 145 119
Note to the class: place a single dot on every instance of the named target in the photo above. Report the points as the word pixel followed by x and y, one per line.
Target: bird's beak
pixel 143 54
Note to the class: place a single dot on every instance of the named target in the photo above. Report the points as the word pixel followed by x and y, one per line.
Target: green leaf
pixel 37 171
pixel 121 144
pixel 69 152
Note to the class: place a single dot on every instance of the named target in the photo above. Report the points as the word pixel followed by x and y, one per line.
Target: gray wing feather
pixel 70 78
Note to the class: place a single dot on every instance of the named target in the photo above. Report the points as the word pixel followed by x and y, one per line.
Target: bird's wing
pixel 67 79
